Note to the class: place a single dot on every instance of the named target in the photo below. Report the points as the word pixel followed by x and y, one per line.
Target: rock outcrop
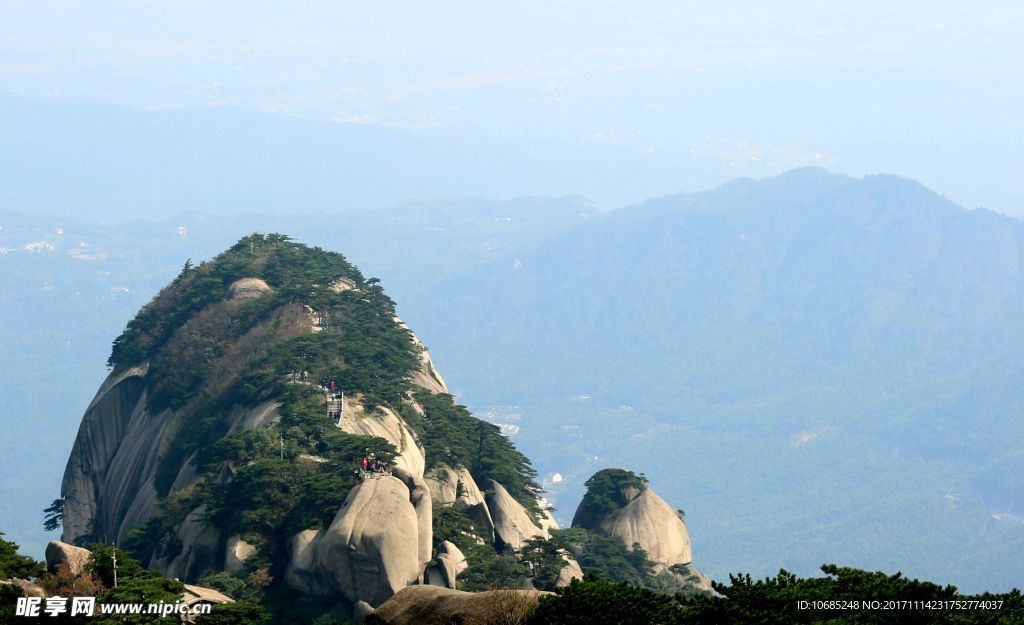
pixel 384 423
pixel 456 487
pixel 199 594
pixel 236 553
pixel 434 605
pixel 569 572
pixel 201 552
pixel 302 573
pixel 370 551
pixel 450 487
pixel 690 580
pixel 75 560
pixel 513 525
pixel 25 587
pixel 248 288
pixel 426 376
pixel 419 496
pixel 109 483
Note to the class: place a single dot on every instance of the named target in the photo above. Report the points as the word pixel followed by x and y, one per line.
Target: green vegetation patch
pixel 845 596
pixel 608 558
pixel 451 436
pixel 606 494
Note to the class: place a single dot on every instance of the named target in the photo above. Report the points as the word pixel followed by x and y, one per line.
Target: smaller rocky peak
pixel 620 504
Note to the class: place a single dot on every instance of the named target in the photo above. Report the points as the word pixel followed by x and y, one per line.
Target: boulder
pixel 426 376
pixel 26 587
pixel 481 515
pixel 300 573
pixel 547 520
pixel 76 558
pixel 450 562
pixel 513 525
pixel 237 551
pixel 432 576
pixel 456 487
pixel 343 284
pixel 360 611
pixel 371 549
pixel 569 572
pixel 443 482
pixel 435 605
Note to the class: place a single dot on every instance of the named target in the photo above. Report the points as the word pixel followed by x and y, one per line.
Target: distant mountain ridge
pixel 807 342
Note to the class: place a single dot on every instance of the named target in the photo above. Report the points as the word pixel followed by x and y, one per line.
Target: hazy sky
pixel 692 93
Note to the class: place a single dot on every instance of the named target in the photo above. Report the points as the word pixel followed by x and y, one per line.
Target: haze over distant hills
pixel 111 163
pixel 822 368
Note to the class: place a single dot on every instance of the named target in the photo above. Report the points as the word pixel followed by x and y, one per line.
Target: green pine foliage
pixel 53 515
pixel 237 613
pixel 13 564
pixel 776 601
pixel 608 558
pixel 584 602
pixel 451 436
pixel 606 494
pixel 134 584
pixel 293 269
pixel 210 354
pixel 544 559
pixel 487 568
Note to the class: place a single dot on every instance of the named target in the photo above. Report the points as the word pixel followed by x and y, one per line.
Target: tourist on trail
pixel 366 463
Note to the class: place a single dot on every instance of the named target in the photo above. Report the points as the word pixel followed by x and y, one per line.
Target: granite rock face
pixel 109 482
pixel 649 521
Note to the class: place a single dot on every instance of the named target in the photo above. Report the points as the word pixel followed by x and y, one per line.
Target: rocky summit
pixel 269 427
